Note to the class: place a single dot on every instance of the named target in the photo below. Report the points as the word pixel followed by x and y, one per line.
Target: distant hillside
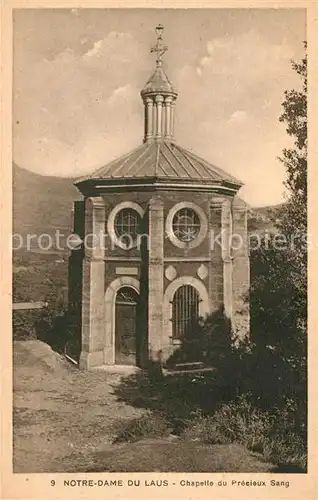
pixel 42 204
pixel 269 211
pixel 262 219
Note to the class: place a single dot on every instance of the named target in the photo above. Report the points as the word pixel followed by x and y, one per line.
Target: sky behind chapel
pixel 78 75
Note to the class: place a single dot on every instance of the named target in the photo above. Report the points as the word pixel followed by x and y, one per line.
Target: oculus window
pixel 186 225
pixel 127 226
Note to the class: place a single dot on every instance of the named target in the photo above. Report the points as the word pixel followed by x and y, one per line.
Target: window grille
pixel 126 295
pixel 127 223
pixel 185 311
pixel 186 224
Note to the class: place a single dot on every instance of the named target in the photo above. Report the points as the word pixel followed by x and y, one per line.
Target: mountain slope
pixel 42 204
pixel 263 219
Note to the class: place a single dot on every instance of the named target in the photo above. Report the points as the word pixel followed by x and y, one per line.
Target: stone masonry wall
pixel 241 273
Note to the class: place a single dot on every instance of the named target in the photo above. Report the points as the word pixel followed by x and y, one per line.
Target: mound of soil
pixel 38 355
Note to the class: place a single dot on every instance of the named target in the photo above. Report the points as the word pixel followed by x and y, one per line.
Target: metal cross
pixel 160 48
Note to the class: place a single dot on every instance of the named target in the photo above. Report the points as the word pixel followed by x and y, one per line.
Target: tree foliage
pixel 295 117
pixel 293 217
pixel 279 275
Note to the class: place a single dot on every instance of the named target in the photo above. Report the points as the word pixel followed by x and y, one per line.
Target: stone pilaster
pixel 216 256
pixel 227 259
pixel 93 328
pixel 155 277
pixel 241 272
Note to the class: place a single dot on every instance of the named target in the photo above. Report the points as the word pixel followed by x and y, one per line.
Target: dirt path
pixel 60 410
pixel 64 422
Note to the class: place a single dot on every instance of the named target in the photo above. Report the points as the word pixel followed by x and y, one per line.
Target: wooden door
pixel 125 326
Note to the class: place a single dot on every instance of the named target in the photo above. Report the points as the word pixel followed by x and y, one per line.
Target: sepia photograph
pixel 159 243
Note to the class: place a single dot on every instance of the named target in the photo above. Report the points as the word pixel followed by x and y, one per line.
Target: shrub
pixel 287 441
pixel 266 373
pixel 150 425
pixel 205 429
pixel 287 450
pixel 277 436
pixel 23 324
pixel 236 421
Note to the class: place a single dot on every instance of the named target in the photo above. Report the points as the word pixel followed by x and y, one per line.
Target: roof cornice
pixel 94 187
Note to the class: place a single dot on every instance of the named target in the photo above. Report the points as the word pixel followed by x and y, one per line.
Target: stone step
pixel 190 364
pixel 175 371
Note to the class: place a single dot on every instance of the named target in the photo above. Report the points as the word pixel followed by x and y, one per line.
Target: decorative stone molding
pixel 239 213
pixel 109 317
pixel 204 305
pixel 187 259
pixel 203 225
pixel 156 202
pixel 94 228
pixel 217 201
pixel 111 221
pixel 128 271
pixel 170 273
pixel 202 272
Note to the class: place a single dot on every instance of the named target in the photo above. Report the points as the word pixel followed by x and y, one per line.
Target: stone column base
pixel 90 360
pixel 109 355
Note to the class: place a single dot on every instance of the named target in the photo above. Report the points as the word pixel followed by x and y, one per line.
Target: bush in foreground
pixel 239 421
pixel 271 435
pixel 150 425
pixel 233 422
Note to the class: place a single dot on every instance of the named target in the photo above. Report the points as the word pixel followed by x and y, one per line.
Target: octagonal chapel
pixel 164 245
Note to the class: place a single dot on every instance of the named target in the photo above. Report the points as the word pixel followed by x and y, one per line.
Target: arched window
pixel 126 295
pixel 185 311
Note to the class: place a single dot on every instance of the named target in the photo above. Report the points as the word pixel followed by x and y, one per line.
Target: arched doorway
pixel 125 326
pixel 185 312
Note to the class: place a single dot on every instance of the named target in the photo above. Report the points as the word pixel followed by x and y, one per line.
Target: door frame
pixel 118 327
pixel 110 314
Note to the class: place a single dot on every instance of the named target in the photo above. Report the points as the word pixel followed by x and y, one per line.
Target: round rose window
pixel 127 226
pixel 186 225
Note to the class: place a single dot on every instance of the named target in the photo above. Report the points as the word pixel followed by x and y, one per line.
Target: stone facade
pixel 139 297
pixel 218 270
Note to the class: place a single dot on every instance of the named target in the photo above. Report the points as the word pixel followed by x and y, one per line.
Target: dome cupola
pixel 159 162
pixel 159 97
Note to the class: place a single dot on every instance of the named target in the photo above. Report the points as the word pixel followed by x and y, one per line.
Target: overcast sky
pixel 78 75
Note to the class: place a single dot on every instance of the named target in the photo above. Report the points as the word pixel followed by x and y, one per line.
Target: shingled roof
pixel 162 161
pixel 158 82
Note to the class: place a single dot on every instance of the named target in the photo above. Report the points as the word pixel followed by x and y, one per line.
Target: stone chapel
pixel 164 244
